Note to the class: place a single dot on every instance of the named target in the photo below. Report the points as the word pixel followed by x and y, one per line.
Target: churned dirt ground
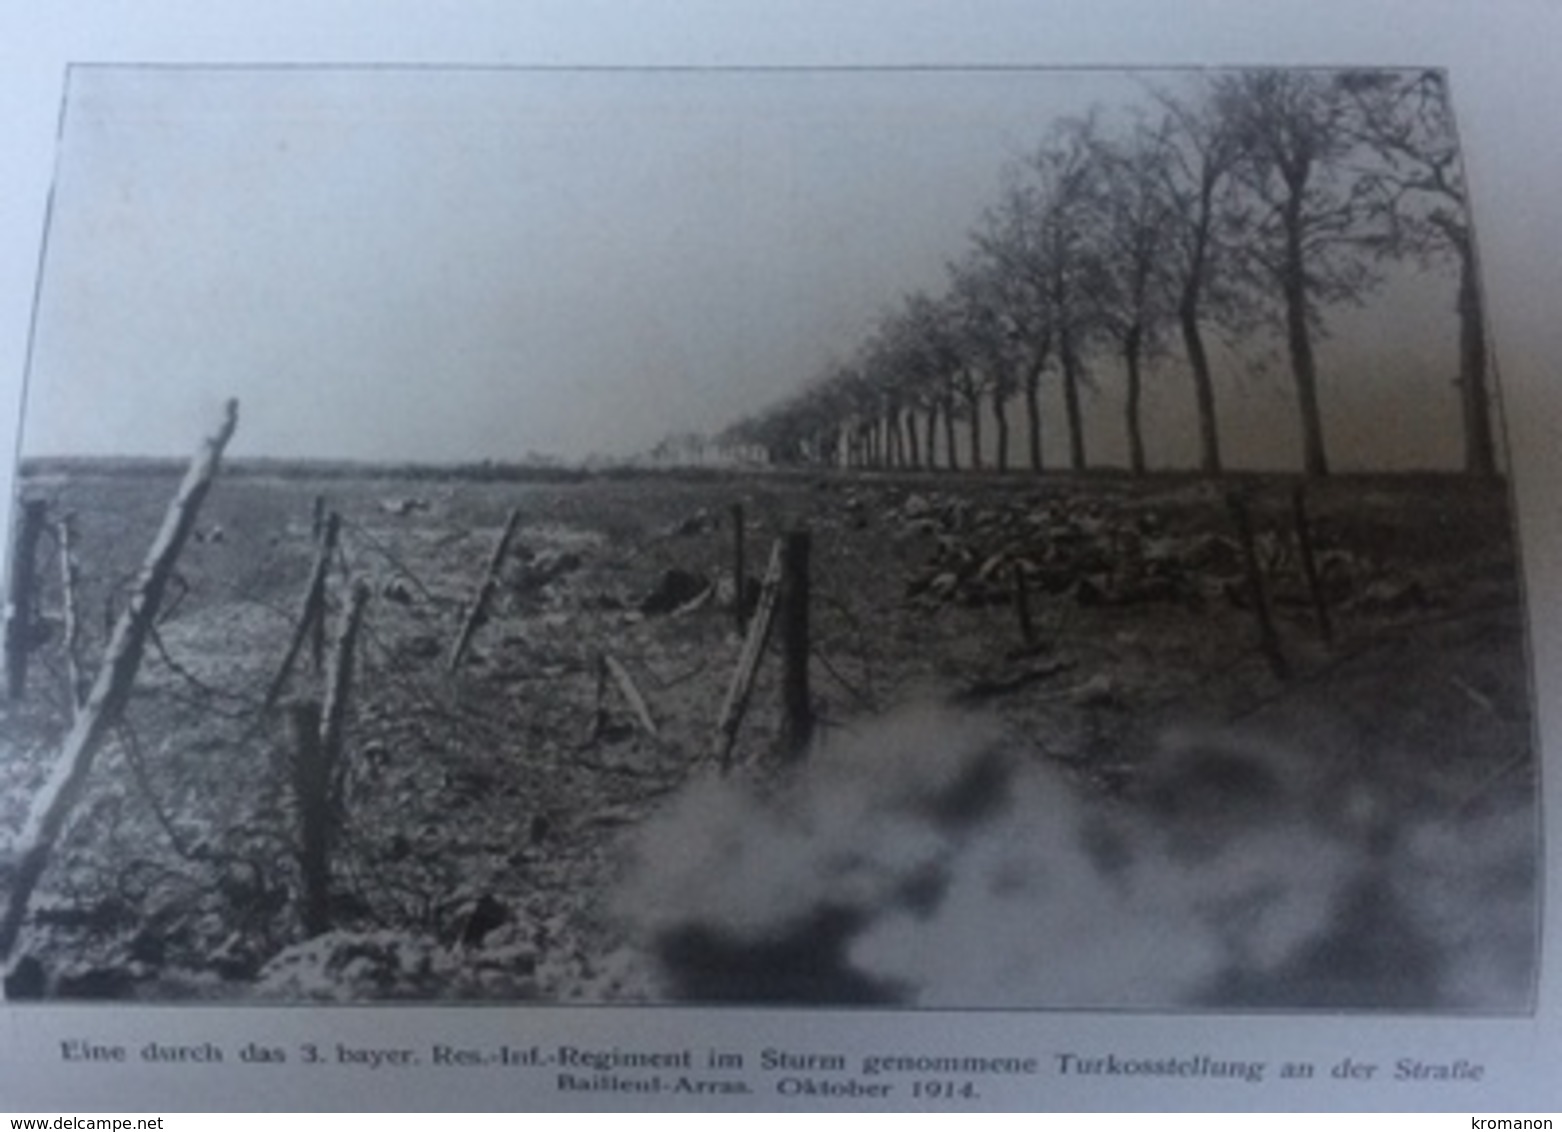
pixel 512 829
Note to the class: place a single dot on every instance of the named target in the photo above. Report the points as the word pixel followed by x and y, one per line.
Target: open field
pixel 1128 803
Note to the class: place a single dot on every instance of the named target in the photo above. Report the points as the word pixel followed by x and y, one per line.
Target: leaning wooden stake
pixel 311 619
pixel 485 592
pixel 797 712
pixel 742 685
pixel 71 630
pixel 323 528
pixel 338 693
pixel 1258 595
pixel 631 694
pixel 1304 542
pixel 111 689
pixel 20 622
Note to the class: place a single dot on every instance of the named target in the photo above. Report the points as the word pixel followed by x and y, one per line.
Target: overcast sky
pixel 433 264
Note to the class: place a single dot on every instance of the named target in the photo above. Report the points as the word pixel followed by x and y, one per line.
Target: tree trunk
pixel 1033 418
pixel 1131 350
pixel 930 435
pixel 1315 460
pixel 951 457
pixel 1071 406
pixel 913 451
pixel 1001 424
pixel 1203 382
pixel 973 403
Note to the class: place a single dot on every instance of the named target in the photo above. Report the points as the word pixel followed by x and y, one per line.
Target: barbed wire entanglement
pixel 385 744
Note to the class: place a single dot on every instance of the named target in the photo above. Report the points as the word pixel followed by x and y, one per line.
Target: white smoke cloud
pixel 930 860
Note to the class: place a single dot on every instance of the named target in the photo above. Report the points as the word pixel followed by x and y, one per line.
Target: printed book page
pixel 839 562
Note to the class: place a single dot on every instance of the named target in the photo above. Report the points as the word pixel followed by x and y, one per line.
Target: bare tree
pixel 897 357
pixel 1198 150
pixel 884 370
pixel 1131 286
pixel 1017 284
pixel 853 395
pixel 933 336
pixel 1039 236
pixel 820 415
pixel 976 357
pixel 1054 250
pixel 1251 199
pixel 1311 215
pixel 1405 119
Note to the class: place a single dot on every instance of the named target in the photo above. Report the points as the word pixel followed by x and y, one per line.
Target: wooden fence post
pixel 317 734
pixel 115 679
pixel 1258 594
pixel 21 622
pixel 1022 606
pixel 739 572
pixel 70 630
pixel 736 702
pixel 1304 542
pixel 797 716
pixel 312 795
pixel 311 618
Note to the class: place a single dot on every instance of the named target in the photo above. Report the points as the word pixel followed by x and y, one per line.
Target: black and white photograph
pixel 1005 538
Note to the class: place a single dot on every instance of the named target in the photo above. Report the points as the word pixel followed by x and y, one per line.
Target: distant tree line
pixel 1254 200
pixel 534 470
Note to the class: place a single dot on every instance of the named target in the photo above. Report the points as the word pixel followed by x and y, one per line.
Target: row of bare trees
pixel 1246 203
